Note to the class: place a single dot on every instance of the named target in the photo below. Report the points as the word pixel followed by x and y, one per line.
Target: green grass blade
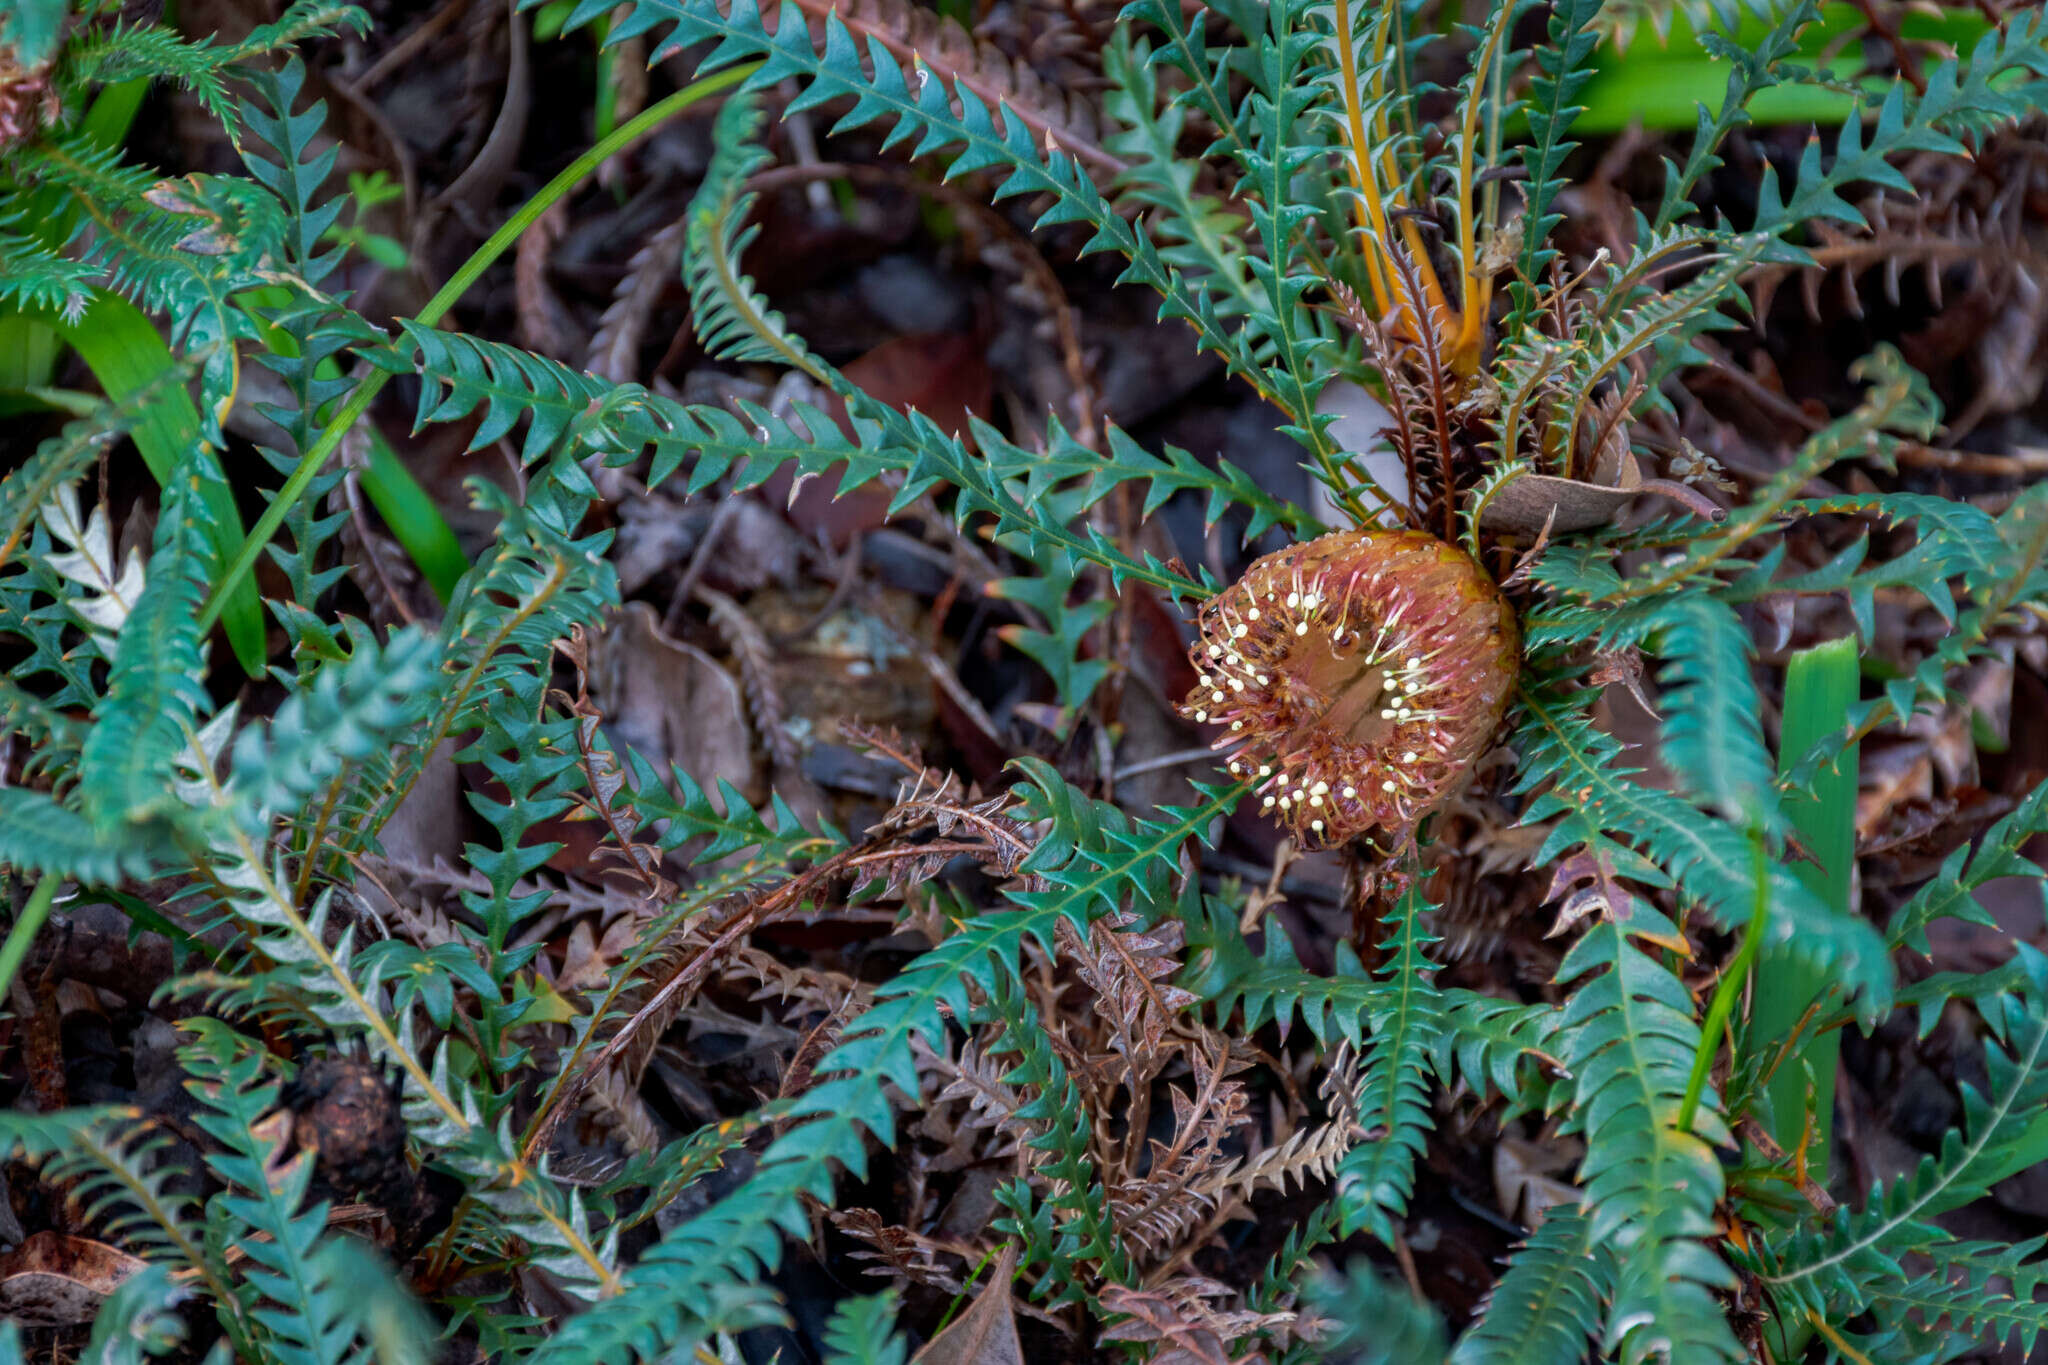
pixel 28 353
pixel 1820 688
pixel 415 522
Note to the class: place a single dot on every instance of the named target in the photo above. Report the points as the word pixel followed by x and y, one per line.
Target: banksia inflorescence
pixel 1356 677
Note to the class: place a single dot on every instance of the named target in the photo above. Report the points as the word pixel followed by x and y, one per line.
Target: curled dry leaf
pixel 896 1252
pixel 54 1280
pixel 1129 968
pixel 1532 503
pixel 1545 504
pixel 1585 885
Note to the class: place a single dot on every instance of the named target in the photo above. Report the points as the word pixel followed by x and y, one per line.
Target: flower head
pixel 1356 678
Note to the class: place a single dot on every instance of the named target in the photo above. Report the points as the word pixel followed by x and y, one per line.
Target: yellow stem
pixel 1415 314
pixel 1836 1340
pixel 1372 213
pixel 1421 312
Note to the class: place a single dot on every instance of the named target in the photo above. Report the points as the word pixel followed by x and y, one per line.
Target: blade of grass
pixel 1729 988
pixel 113 111
pixel 1820 687
pixel 458 284
pixel 28 353
pixel 415 522
pixel 25 928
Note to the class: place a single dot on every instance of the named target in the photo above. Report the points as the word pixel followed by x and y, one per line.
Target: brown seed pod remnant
pixel 1357 676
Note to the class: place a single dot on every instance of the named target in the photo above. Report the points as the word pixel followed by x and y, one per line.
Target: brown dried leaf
pixel 1623 666
pixel 991 1104
pixel 1129 970
pixel 1189 1330
pixel 1526 1177
pixel 1586 884
pixel 539 311
pixel 674 969
pixel 986 1333
pixel 756 660
pixel 607 779
pixel 54 1280
pixel 897 1252
pixel 1173 1199
pixel 670 701
pixel 614 351
pixel 587 959
pixel 1309 1154
pixel 617 1104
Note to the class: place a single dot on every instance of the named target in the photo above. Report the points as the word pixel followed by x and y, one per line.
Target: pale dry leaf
pixel 1360 428
pixel 111 588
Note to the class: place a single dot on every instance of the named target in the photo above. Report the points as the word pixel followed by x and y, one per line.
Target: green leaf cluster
pixel 1344 222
